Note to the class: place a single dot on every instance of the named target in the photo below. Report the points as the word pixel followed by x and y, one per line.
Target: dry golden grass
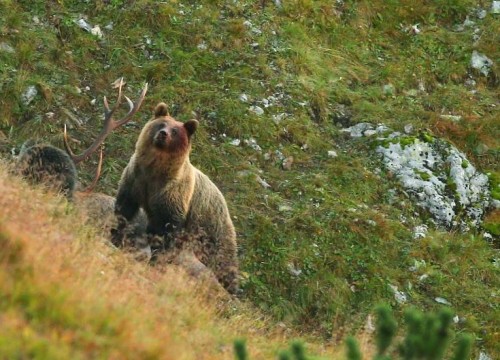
pixel 66 292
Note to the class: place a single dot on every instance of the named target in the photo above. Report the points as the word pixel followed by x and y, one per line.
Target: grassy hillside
pixel 67 294
pixel 328 237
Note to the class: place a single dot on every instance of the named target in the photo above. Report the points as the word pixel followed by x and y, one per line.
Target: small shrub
pixel 353 352
pixel 427 338
pixel 240 349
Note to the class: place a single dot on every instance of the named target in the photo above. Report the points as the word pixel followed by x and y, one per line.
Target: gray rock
pixel 285 208
pixel 263 182
pixel 440 179
pixel 278 118
pixel 341 115
pixel 400 296
pixel 293 270
pixel 495 204
pixel 470 82
pixel 420 231
pixel 369 133
pixel 481 13
pixel 411 93
pixel 7 48
pixel 484 356
pixel 381 129
pixel 443 301
pixel 495 7
pixel 454 118
pixel 367 130
pixel 481 148
pixel 83 24
pixel 287 163
pixel 358 129
pixel 253 144
pixel 96 30
pixel 332 154
pixel 202 46
pixel 467 23
pixel 481 63
pixel 476 35
pixel 278 154
pixel 257 110
pixel 388 89
pixel 29 95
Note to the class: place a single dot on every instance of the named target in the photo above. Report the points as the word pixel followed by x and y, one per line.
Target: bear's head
pixel 166 136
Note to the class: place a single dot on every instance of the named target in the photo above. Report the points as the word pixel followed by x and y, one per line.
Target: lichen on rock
pixel 436 175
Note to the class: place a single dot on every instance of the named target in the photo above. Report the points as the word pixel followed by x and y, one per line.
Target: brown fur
pixel 185 253
pixel 48 165
pixel 176 196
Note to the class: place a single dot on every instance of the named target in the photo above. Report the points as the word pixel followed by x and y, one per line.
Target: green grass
pixel 332 219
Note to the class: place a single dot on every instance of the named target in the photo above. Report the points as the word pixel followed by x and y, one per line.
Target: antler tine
pixel 109 123
pixel 108 113
pixel 97 173
pixel 132 108
pixel 66 144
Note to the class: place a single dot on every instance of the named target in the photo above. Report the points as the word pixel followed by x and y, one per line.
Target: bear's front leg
pixel 126 208
pixel 165 223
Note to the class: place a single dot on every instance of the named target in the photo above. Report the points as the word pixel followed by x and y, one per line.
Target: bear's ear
pixel 161 109
pixel 191 126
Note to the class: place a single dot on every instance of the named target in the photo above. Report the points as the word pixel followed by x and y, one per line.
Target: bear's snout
pixel 161 138
pixel 162 133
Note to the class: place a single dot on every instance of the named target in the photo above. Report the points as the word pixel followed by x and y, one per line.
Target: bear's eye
pixel 174 131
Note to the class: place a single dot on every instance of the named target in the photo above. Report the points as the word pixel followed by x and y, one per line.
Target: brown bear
pixel 177 197
pixel 48 165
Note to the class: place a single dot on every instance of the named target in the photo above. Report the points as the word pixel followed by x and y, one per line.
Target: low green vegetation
pixel 428 336
pixel 325 237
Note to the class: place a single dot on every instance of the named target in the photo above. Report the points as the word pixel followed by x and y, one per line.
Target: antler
pixel 97 175
pixel 109 123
